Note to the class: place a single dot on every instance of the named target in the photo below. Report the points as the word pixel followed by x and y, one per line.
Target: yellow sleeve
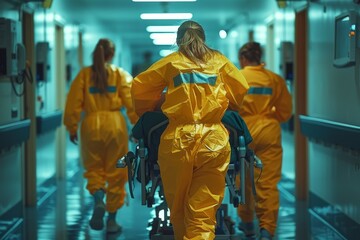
pixel 235 84
pixel 283 102
pixel 74 104
pixel 147 87
pixel 125 95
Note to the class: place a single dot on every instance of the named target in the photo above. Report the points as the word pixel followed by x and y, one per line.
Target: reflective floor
pixel 65 214
pixel 64 208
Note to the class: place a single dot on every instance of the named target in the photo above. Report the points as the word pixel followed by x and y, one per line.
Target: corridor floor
pixel 65 214
pixel 64 209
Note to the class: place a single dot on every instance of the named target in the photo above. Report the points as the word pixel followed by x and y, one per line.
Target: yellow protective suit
pixel 266 105
pixel 194 151
pixel 104 137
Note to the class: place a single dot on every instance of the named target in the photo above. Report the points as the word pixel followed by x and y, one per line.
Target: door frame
pixel 300 107
pixel 60 79
pixel 270 45
pixel 28 38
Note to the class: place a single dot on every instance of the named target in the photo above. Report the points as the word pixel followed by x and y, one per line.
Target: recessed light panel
pixel 165 16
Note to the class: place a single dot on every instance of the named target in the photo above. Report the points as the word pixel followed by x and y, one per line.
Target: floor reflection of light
pixel 72 214
pixel 73 154
pixel 286 211
pixel 79 209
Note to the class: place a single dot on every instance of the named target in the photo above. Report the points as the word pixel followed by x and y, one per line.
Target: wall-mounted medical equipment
pixel 12 53
pixel 346 39
pixel 287 60
pixel 42 65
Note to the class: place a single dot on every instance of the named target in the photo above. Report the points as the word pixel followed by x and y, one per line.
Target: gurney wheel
pixel 236 201
pixel 131 166
pixel 154 227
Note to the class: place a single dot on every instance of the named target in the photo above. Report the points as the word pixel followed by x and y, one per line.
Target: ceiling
pixel 122 17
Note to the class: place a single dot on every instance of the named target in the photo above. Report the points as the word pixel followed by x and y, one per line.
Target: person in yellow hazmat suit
pixel 194 153
pixel 100 91
pixel 267 104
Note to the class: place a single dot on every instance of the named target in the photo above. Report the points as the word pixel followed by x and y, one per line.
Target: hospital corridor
pixel 111 119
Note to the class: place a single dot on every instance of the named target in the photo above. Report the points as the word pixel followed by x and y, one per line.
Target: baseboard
pixel 333 217
pixel 11 220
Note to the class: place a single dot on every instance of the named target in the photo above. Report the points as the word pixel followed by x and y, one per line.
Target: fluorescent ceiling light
pixel 164 0
pixel 164 41
pixel 166 16
pixel 163 36
pixel 166 52
pixel 162 28
pixel 222 34
pixel 234 34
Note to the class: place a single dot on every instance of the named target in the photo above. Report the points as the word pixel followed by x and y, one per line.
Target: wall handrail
pixel 48 121
pixel 342 134
pixel 14 133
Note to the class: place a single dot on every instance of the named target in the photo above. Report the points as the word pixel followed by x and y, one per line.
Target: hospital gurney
pixel 148 131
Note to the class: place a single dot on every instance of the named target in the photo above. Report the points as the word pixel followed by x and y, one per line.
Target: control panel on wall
pixel 12 53
pixel 42 65
pixel 287 60
pixel 346 39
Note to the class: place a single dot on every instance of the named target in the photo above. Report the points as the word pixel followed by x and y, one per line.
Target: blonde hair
pixel 103 52
pixel 191 42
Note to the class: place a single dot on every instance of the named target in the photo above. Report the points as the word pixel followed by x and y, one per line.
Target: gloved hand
pixel 74 139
